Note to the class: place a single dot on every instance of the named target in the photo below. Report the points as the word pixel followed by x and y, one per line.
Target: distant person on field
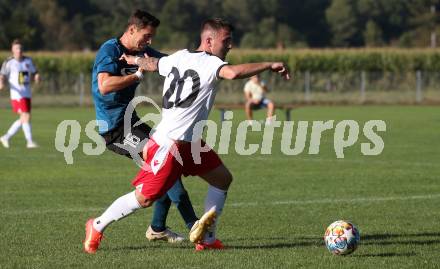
pixel 254 91
pixel 19 70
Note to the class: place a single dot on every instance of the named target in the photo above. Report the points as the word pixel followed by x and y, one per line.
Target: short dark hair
pixel 216 24
pixel 142 19
pixel 16 42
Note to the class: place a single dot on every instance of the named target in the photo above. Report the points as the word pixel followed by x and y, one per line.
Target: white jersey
pixel 19 75
pixel 188 93
pixel 255 89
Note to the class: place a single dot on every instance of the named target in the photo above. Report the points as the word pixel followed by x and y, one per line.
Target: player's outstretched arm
pixel 240 71
pixel 147 63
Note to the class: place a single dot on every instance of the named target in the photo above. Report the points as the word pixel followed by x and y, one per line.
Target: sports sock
pixel 161 208
pixel 13 129
pixel 27 131
pixel 180 197
pixel 122 207
pixel 215 197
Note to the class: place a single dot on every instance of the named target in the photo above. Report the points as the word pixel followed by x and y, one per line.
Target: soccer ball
pixel 341 237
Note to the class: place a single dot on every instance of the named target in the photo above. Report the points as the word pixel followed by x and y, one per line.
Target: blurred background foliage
pixel 84 24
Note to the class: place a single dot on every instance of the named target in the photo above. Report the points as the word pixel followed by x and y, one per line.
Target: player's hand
pixel 37 78
pixel 129 59
pixel 149 63
pixel 281 69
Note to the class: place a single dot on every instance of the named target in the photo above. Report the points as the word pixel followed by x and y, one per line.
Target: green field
pixel 277 209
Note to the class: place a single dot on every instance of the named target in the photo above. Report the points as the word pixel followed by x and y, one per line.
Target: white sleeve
pixel 32 67
pixel 5 70
pixel 247 87
pixel 216 63
pixel 165 65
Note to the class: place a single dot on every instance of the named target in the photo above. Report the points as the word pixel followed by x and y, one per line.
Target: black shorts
pixel 128 143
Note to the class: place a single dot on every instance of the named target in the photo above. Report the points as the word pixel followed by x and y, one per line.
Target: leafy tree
pixel 373 35
pixel 422 23
pixel 343 21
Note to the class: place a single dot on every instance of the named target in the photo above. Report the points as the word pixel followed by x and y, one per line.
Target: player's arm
pixel 247 93
pixel 264 87
pixel 2 82
pixel 146 63
pixel 240 71
pixel 108 83
pixel 4 72
pixel 248 96
pixel 36 77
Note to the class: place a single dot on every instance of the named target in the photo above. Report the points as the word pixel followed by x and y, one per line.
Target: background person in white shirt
pixel 254 91
pixel 19 71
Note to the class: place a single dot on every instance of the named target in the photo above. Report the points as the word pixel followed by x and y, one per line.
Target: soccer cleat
pixel 216 245
pixel 167 235
pixel 93 238
pixel 31 145
pixel 4 141
pixel 201 226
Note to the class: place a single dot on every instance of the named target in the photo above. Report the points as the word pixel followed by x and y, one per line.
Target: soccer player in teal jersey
pixel 114 84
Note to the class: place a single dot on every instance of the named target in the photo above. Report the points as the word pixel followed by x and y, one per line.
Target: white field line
pixel 269 157
pixel 347 160
pixel 241 204
pixel 348 201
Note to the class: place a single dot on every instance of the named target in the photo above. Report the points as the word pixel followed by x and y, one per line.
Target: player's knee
pixel 146 203
pixel 271 105
pixel 24 117
pixel 179 197
pixel 143 201
pixel 227 180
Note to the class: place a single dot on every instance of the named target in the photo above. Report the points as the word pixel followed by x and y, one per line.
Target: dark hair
pixel 216 24
pixel 142 19
pixel 16 42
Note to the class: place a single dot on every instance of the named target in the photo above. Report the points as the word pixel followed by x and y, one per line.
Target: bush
pixel 324 60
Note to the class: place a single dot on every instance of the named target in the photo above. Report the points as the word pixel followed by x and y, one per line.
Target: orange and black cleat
pixel 93 238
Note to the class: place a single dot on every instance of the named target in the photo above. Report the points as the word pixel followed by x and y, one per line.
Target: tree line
pixel 85 24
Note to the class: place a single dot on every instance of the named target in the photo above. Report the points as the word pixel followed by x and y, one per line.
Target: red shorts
pixel 21 105
pixel 164 165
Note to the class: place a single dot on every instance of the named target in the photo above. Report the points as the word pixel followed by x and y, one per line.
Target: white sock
pixel 269 120
pixel 13 129
pixel 215 197
pixel 122 207
pixel 27 131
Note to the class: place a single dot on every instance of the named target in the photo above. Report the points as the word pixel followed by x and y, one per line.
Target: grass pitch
pixel 277 209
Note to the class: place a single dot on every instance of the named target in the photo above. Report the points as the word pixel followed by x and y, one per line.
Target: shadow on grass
pixel 150 246
pixel 401 239
pixel 386 236
pixel 388 254
pixel 309 241
pixel 367 239
pixel 276 245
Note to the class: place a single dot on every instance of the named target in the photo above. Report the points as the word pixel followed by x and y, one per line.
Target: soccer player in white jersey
pixel 19 71
pixel 176 147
